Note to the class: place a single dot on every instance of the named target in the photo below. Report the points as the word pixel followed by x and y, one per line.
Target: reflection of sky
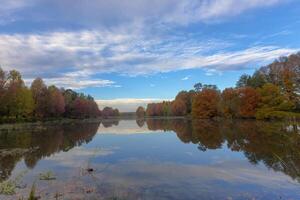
pixel 165 165
pixel 157 148
pixel 124 127
pixel 137 163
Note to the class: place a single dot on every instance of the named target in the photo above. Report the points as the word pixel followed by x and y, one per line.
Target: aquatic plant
pixel 47 176
pixel 9 187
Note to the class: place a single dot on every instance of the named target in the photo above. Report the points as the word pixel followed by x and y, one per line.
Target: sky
pixel 127 53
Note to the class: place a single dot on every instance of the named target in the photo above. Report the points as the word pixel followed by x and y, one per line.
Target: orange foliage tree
pixel 229 103
pixel 248 102
pixel 206 103
pixel 178 108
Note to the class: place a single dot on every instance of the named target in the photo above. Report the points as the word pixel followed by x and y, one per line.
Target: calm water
pixel 154 159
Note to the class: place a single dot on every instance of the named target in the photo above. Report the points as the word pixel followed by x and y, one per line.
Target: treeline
pixel 271 92
pixel 40 102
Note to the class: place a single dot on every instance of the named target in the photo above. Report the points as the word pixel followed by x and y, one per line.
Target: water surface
pixel 154 159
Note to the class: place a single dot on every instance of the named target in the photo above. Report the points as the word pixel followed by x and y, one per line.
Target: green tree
pixel 272 102
pixel 244 81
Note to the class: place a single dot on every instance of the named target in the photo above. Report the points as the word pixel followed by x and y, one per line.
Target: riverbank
pixel 52 122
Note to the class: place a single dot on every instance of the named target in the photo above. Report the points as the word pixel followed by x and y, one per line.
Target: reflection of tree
pixel 140 122
pixel 207 134
pixel 110 122
pixel 276 144
pixel 38 142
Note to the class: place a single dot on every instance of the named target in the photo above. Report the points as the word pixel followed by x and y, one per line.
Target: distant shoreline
pixel 66 121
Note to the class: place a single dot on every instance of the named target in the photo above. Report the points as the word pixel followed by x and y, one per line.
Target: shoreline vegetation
pixel 272 92
pixel 39 102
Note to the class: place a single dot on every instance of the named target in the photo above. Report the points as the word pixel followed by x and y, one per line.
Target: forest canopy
pixel 40 102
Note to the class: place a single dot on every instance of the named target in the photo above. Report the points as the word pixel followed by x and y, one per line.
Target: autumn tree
pixel 205 103
pixel 248 102
pixel 289 87
pixel 57 102
pixel 187 98
pixel 178 108
pixel 229 103
pixel 41 97
pixel 18 97
pixel 3 78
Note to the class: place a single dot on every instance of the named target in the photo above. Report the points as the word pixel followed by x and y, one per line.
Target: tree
pixel 244 81
pixel 18 97
pixel 166 109
pixel 257 80
pixel 273 102
pixel 187 98
pixel 199 87
pixel 248 102
pixel 41 98
pixel 57 102
pixel 229 103
pixel 140 112
pixel 26 103
pixel 3 78
pixel 290 88
pixel 107 112
pixel 205 104
pixel 178 108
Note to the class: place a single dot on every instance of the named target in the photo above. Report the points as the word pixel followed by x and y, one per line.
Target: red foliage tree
pixel 178 108
pixel 206 103
pixel 248 102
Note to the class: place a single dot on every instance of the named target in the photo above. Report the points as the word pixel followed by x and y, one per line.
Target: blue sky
pixel 136 51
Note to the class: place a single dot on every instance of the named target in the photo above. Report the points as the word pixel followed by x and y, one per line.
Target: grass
pixel 279 115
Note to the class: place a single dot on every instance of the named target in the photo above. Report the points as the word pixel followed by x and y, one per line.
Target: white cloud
pixel 82 55
pixel 115 12
pixel 186 78
pixel 73 83
pixel 127 104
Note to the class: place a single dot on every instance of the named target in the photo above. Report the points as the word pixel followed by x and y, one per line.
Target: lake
pixel 153 159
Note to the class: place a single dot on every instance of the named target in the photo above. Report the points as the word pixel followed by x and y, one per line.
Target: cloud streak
pixel 116 12
pixel 98 52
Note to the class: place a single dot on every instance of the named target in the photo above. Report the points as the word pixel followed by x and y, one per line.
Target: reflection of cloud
pixel 179 181
pixel 232 172
pixel 78 156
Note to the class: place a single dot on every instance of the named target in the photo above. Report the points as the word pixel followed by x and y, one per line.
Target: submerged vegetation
pixel 272 92
pixel 41 102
